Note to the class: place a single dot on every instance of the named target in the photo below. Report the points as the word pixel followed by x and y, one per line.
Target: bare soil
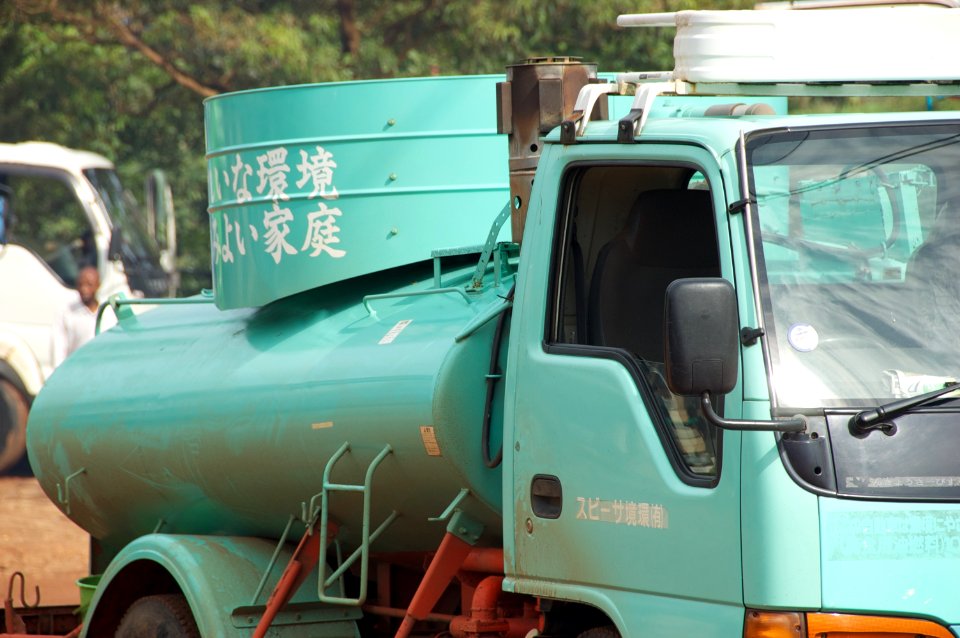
pixel 39 541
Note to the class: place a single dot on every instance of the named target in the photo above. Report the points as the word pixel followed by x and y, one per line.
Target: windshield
pixel 858 257
pixel 137 249
pixel 125 215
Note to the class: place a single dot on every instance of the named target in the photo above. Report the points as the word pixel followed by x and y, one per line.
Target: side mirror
pixel 702 330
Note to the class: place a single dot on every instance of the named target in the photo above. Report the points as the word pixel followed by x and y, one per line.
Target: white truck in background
pixel 60 210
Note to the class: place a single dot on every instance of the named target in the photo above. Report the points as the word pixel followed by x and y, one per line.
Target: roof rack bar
pixel 574 127
pixel 668 19
pixel 640 111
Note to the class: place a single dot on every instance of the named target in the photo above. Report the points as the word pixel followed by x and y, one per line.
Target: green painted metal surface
pixel 781 536
pixel 897 558
pixel 225 420
pixel 315 184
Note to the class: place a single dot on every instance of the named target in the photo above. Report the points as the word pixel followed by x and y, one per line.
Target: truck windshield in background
pixel 134 245
pixel 858 251
pixel 50 219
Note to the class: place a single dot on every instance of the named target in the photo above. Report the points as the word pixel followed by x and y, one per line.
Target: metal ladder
pixel 367 537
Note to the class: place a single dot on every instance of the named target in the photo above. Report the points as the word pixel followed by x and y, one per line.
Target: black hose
pixel 493 376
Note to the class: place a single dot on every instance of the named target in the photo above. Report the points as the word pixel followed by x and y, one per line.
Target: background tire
pixel 160 616
pixel 601 632
pixel 13 424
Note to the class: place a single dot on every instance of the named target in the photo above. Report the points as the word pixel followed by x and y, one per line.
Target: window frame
pixel 770 348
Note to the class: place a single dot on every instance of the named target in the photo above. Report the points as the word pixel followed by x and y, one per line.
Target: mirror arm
pixel 797 424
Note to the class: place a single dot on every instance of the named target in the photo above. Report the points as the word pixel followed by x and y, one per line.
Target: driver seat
pixel 668 235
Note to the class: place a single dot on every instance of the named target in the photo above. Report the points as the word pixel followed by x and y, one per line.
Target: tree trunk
pixel 349 32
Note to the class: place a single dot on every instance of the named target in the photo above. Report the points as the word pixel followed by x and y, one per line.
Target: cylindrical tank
pixel 318 183
pixel 197 420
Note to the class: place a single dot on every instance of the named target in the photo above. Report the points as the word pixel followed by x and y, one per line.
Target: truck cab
pixel 63 209
pixel 736 333
pixel 835 271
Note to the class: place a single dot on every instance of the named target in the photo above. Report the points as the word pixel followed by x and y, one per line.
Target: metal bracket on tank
pixel 439 253
pixel 273 559
pixel 489 245
pixel 367 537
pixel 454 504
pixel 458 523
pixel 63 493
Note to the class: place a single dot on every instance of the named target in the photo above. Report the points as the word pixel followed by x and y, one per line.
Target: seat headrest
pixel 659 218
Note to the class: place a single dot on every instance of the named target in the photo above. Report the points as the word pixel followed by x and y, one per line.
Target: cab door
pixel 624 498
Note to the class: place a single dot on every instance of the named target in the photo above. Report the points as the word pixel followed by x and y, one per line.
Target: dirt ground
pixel 39 541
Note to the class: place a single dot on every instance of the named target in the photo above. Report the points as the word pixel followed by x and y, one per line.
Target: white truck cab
pixel 61 210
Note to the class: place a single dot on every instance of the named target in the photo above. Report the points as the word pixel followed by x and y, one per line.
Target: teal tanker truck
pixel 703 383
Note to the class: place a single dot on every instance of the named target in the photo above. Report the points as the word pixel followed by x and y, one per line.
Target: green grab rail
pixel 417 293
pixel 116 301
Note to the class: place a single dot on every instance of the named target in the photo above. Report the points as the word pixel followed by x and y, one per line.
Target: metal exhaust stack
pixel 538 95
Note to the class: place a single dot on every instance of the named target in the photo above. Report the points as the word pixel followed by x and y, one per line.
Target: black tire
pixel 13 424
pixel 160 616
pixel 601 632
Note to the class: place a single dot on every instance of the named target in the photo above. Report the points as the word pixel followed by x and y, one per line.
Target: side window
pixel 50 221
pixel 626 233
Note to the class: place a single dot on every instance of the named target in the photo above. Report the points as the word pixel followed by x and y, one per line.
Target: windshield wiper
pixel 865 421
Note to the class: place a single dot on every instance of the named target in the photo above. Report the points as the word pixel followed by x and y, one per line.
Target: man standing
pixel 77 323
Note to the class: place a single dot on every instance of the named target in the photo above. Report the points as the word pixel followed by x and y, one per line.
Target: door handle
pixel 546 496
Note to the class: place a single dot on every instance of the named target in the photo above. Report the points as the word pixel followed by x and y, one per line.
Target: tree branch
pixel 349 32
pixel 115 23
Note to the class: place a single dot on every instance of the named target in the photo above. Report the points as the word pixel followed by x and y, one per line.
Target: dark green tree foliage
pixel 127 79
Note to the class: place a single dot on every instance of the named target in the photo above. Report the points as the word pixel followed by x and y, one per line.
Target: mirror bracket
pixel 750 336
pixel 796 424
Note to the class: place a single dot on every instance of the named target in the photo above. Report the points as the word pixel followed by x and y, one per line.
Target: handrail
pixel 116 301
pixel 416 293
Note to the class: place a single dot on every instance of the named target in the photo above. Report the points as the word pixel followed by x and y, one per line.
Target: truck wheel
pixel 13 424
pixel 160 616
pixel 600 632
